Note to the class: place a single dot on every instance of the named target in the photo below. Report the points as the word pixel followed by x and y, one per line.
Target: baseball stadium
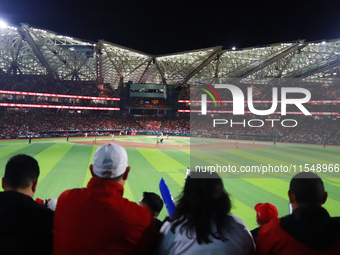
pixel 63 97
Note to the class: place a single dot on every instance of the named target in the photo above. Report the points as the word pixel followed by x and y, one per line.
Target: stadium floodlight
pixel 323 42
pixel 233 48
pixel 3 24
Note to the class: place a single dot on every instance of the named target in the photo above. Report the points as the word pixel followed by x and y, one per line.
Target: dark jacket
pixel 255 233
pixel 25 226
pixel 312 226
pixel 308 230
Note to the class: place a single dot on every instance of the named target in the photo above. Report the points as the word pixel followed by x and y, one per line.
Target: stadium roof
pixel 33 51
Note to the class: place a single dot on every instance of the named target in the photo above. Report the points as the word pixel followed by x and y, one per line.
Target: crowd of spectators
pixel 177 126
pixel 24 123
pixel 308 130
pixel 325 92
pixel 98 220
pixel 46 84
pixel 150 124
pixel 21 123
pixel 40 100
pixel 34 122
pixel 106 90
pixel 266 106
pixel 15 83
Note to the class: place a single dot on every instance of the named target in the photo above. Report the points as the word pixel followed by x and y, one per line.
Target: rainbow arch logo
pixel 210 94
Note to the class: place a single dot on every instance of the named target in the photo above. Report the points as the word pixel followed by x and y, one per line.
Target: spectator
pixel 264 213
pixel 155 205
pixel 26 226
pixel 202 223
pixel 97 219
pixel 309 229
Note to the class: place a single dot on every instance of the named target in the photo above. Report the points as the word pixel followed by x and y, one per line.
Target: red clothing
pixel 274 240
pixel 98 220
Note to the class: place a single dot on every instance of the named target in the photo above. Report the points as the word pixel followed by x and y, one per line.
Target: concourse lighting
pixel 3 24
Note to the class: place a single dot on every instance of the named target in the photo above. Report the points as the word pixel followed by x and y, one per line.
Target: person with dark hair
pixel 155 205
pixel 202 223
pixel 26 226
pixel 309 229
pixel 97 219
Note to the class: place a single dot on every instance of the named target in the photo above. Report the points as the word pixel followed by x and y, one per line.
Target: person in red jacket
pixel 97 219
pixel 309 230
pixel 265 212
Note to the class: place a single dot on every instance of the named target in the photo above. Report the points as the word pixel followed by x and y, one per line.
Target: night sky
pixel 160 27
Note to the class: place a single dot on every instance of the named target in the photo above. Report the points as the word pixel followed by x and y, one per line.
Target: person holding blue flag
pixel 202 223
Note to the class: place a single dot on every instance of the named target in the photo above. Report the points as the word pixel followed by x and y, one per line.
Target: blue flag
pixel 167 198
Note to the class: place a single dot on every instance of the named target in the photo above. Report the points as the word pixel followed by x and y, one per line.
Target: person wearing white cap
pixel 97 219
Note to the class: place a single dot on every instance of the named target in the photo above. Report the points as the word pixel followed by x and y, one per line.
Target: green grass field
pixel 65 165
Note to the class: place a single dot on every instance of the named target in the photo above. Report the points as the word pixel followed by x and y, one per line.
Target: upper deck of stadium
pixel 30 50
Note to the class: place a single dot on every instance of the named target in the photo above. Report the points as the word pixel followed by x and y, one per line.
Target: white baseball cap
pixel 110 161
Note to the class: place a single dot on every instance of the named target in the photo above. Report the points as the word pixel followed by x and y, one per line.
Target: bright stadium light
pixel 3 24
pixel 233 48
pixel 323 42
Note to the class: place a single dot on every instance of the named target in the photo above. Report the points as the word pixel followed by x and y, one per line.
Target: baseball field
pixel 64 165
